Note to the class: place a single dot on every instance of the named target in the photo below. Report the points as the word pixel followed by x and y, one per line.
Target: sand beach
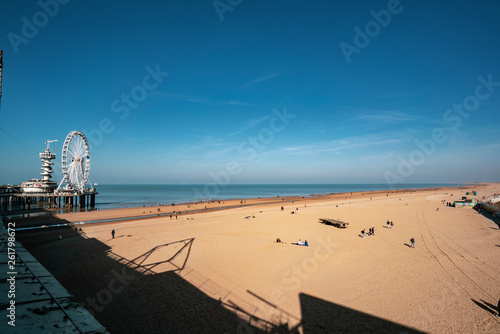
pixel 219 269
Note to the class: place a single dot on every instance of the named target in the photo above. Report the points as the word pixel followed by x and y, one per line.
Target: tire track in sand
pixel 474 290
pixel 473 258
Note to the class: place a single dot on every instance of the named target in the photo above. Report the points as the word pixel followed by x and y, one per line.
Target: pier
pixel 11 196
pixel 74 190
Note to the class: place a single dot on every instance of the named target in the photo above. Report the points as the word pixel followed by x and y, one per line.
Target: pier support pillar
pixel 82 202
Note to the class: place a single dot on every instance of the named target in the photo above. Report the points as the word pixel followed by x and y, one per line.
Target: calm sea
pixel 121 195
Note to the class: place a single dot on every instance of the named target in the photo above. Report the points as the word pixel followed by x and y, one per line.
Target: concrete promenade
pixel 32 300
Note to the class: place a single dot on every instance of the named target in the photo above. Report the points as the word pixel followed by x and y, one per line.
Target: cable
pixel 11 136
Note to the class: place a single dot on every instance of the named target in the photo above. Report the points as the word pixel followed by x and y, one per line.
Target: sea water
pixel 130 195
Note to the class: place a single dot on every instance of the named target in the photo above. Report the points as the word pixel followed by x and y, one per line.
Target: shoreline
pixel 117 215
pixel 125 196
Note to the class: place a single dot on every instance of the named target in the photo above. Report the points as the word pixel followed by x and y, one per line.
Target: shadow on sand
pixel 321 316
pixel 493 218
pixel 151 293
pixel 487 306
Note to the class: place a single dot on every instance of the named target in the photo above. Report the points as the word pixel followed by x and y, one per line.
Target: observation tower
pixel 45 184
pixel 46 157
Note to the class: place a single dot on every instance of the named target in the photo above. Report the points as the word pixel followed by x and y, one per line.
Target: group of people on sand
pixel 371 231
pixel 390 224
pixel 300 243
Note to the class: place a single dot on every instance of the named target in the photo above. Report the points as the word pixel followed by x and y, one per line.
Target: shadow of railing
pixel 487 306
pixel 146 294
pixel 321 316
pixel 140 261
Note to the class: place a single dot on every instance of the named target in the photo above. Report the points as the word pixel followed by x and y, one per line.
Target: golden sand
pixel 448 283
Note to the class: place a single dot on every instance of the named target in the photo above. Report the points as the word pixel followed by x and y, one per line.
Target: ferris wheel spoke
pixel 79 148
pixel 71 172
pixel 71 153
pixel 75 147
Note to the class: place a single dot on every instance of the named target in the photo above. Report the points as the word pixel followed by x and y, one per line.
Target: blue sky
pixel 254 91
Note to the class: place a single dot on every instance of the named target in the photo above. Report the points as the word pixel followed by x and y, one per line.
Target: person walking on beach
pixel 113 233
pixel 363 233
pixel 388 224
pixel 373 230
pixel 412 243
pixel 392 224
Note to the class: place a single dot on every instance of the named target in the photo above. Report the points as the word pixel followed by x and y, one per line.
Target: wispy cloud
pixel 338 145
pixel 218 153
pixel 212 147
pixel 383 116
pixel 299 149
pixel 261 79
pixel 201 100
pixel 251 123
pixel 353 117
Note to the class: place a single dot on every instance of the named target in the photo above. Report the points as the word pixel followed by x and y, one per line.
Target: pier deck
pixel 11 196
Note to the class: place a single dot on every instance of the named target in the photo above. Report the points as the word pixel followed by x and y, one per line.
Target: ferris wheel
pixel 75 162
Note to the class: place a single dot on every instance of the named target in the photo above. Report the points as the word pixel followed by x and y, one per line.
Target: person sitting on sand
pixel 300 243
pixel 388 224
pixel 278 240
pixel 305 243
pixel 392 224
